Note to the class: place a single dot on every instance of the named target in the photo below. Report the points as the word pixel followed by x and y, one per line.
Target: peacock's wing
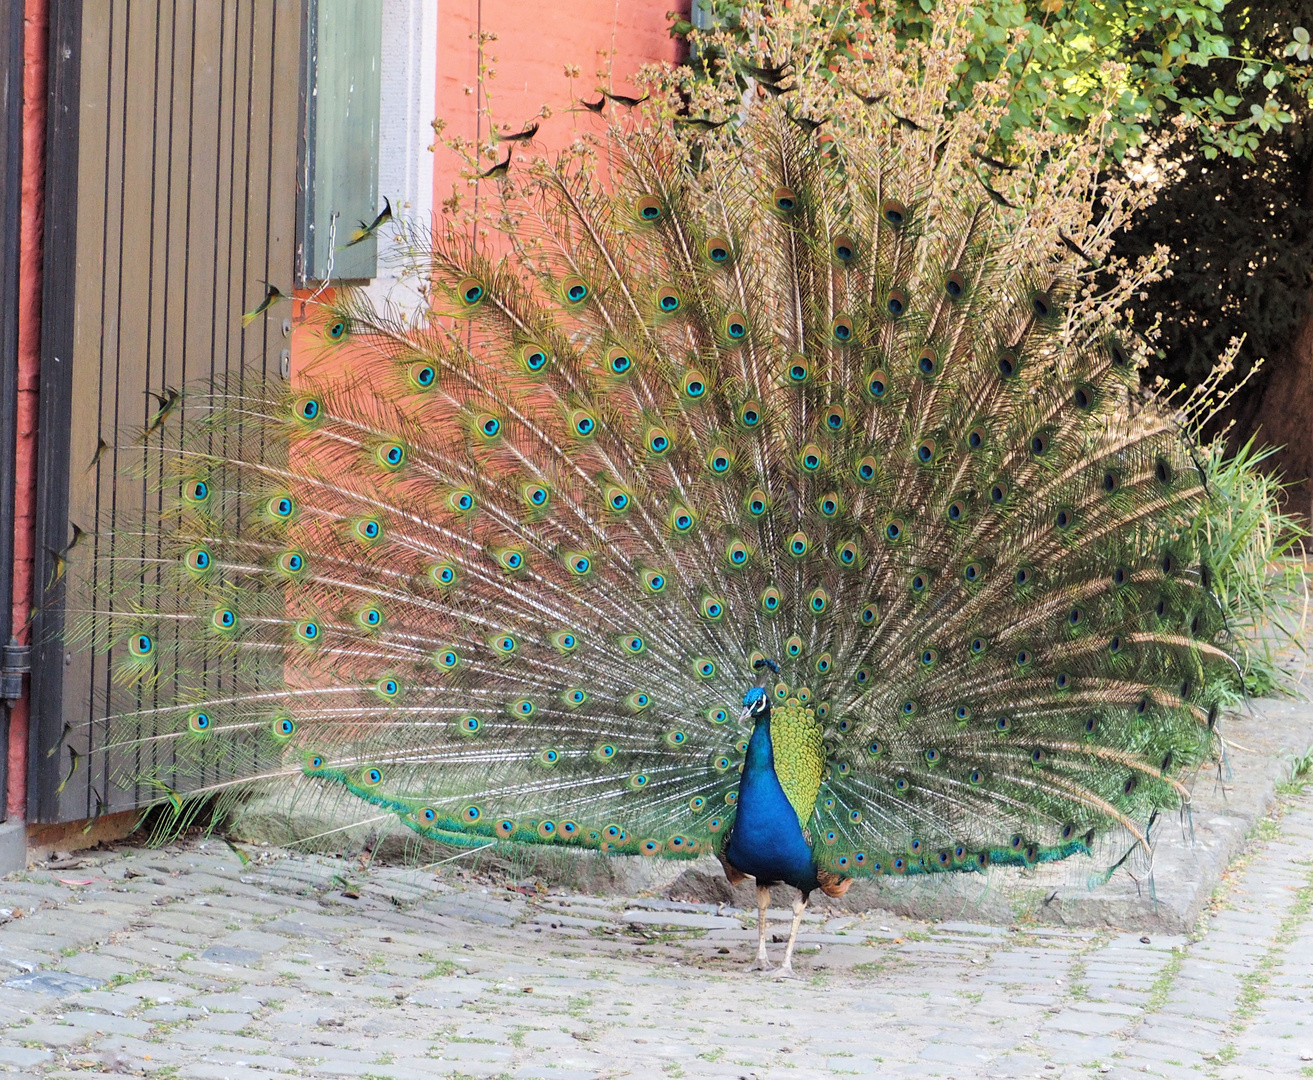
pixel 798 747
pixel 749 395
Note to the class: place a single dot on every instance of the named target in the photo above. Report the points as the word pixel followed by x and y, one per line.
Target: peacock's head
pixel 756 704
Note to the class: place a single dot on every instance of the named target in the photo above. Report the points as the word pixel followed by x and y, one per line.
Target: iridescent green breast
pixel 799 755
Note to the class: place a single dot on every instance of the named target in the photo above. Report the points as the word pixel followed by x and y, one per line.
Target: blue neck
pixel 767 841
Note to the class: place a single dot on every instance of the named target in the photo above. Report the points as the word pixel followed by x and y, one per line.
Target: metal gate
pixel 172 156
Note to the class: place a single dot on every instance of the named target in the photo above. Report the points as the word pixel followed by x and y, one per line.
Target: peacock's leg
pixel 785 970
pixel 763 902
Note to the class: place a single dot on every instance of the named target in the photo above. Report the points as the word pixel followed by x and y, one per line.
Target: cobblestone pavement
pixel 185 962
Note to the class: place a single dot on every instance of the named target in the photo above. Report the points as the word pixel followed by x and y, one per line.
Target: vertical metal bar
pixel 57 324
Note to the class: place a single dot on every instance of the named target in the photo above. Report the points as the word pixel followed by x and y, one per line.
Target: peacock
pixel 767 476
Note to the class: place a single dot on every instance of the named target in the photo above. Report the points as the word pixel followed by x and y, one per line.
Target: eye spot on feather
pixel 770 601
pixel 307 409
pixel 1064 519
pixel 736 553
pixel 784 199
pixel 870 615
pixel 736 326
pixel 844 248
pixel 372 777
pixel 1003 725
pixel 422 376
pixel 1062 681
pixel 681 519
pixel 199 722
pixel 798 545
pixel 925 451
pixel 893 531
pixel 443 574
pixel 998 493
pixel 1162 472
pixel 549 757
pixel 877 384
pixel 750 414
pixel 1083 398
pixel 975 438
pixel 818 601
pixel 977 646
pixel 836 419
pixel 972 572
pixel 583 423
pixel 446 659
pixel 798 370
pixel 648 208
pixel 841 329
pixel 919 583
pixel 1041 304
pixel 658 442
pixel 199 561
pixel 618 361
pixel 955 285
pixel 668 299
pixel 927 363
pixel 284 727
pixel 639 780
pixel 1024 657
pixel 633 644
pixel 712 609
pixel 1115 644
pixel 469 724
pixel 575 290
pixel 862 676
pixel 1007 365
pixel 896 302
pixel 719 461
pixel 336 329
pixel 893 212
pixel 847 554
pixel 694 385
pixel 196 492
pixel 471 291
pixel 962 714
pixel 533 357
pixel 1039 444
pixel 511 559
pixel 1117 354
pixel 718 249
pixel 866 470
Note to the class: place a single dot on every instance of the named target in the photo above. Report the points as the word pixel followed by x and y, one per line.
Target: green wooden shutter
pixel 344 45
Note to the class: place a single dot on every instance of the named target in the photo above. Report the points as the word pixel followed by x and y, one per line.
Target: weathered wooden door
pixel 172 164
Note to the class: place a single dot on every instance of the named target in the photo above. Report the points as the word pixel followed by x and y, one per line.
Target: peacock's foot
pixel 761 964
pixel 785 971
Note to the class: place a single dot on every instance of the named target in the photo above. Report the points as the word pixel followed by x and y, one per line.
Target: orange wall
pixel 29 368
pixel 536 39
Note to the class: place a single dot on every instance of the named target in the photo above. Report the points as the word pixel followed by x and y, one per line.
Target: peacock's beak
pixel 745 715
